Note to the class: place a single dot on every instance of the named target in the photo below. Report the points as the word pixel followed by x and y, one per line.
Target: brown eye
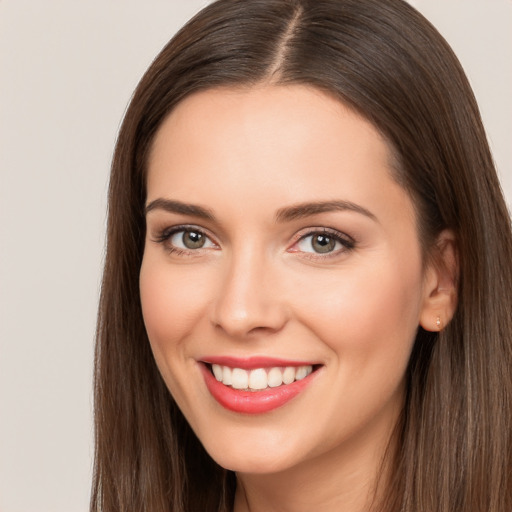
pixel 193 239
pixel 188 239
pixel 323 243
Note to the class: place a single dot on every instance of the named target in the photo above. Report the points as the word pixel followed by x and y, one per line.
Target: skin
pixel 258 288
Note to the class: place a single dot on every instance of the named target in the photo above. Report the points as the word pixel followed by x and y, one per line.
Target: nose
pixel 249 301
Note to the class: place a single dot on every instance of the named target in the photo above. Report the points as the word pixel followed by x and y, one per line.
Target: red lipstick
pixel 252 402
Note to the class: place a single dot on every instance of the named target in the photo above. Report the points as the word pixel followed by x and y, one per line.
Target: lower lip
pixel 253 402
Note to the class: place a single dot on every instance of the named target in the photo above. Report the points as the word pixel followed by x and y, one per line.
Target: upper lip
pixel 250 363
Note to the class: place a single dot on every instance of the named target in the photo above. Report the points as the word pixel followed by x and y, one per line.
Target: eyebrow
pixel 286 214
pixel 178 207
pixel 301 210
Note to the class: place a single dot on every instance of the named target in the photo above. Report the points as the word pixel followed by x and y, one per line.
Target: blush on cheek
pixel 365 311
pixel 156 305
pixel 161 316
pixel 172 302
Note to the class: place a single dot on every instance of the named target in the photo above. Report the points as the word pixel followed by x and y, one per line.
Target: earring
pixel 438 323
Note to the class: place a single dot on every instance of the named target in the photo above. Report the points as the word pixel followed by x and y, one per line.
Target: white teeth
pixel 226 375
pixel 239 378
pixel 217 371
pixel 289 375
pixel 259 378
pixel 274 377
pixel 302 371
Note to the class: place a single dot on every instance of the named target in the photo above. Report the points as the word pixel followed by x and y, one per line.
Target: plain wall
pixel 67 70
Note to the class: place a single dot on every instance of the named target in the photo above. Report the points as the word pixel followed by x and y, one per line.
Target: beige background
pixel 67 69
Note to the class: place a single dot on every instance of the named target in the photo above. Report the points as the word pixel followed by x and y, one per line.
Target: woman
pixel 307 292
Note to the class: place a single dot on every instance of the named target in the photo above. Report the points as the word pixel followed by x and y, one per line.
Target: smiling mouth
pixel 259 379
pixel 261 386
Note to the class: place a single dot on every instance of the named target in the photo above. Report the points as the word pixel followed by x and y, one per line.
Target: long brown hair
pixel 384 60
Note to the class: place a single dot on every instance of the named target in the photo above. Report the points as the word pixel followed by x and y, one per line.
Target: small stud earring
pixel 438 322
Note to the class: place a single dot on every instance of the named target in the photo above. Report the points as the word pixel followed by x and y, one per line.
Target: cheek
pixel 367 309
pixel 173 301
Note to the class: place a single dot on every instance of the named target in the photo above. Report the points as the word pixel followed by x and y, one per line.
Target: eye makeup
pixel 313 243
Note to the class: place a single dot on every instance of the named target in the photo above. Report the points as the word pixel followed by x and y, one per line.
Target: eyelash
pixel 165 236
pixel 346 241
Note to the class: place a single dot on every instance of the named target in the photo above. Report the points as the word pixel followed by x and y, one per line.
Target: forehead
pixel 295 111
pixel 269 144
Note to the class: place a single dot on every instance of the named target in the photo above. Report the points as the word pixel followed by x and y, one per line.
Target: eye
pixel 190 239
pixel 324 242
pixel 184 239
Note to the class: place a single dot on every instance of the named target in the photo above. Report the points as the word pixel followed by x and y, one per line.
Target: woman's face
pixel 282 256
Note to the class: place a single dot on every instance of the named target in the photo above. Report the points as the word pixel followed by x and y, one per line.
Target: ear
pixel 440 283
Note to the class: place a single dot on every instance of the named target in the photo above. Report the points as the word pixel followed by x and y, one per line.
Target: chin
pixel 254 464
pixel 261 452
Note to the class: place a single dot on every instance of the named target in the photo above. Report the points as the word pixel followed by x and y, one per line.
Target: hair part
pixel 283 46
pixel 385 61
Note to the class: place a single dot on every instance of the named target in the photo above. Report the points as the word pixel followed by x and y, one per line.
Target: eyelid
pixel 164 235
pixel 348 243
